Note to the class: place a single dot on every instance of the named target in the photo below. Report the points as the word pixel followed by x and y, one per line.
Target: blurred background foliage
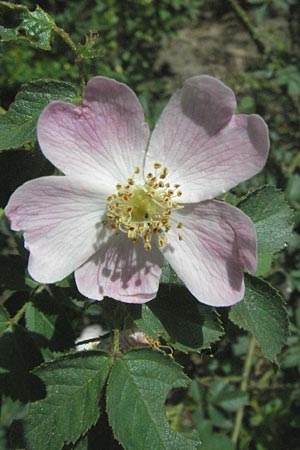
pixel 153 45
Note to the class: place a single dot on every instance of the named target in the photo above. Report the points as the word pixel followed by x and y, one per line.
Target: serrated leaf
pixel 17 126
pixel 136 393
pixel 46 318
pixel 35 27
pixel 149 324
pixel 187 325
pixel 263 313
pixel 74 386
pixel 273 220
pixel 90 49
pixel 4 319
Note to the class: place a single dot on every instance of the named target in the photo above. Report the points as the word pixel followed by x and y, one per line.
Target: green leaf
pixel 35 27
pixel 150 325
pixel 136 393
pixel 273 220
pixel 46 318
pixel 263 313
pixel 183 322
pixel 90 49
pixel 4 319
pixel 74 386
pixel 17 126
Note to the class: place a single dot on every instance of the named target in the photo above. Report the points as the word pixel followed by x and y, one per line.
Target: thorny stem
pixel 242 16
pixel 244 384
pixel 78 56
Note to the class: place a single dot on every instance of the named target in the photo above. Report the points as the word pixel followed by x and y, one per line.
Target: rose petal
pixel 61 219
pixel 206 149
pixel 121 270
pixel 219 240
pixel 105 138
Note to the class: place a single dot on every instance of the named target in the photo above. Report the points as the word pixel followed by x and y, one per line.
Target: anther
pixel 142 211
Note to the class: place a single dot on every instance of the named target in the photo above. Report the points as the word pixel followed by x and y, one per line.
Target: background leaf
pixel 136 393
pixel 263 313
pixel 74 387
pixel 17 126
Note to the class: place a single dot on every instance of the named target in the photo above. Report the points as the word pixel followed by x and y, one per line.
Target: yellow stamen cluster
pixel 143 211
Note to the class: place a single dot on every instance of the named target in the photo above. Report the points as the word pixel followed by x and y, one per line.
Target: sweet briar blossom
pixel 128 200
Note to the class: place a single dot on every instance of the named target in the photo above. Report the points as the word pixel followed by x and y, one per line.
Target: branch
pixel 243 18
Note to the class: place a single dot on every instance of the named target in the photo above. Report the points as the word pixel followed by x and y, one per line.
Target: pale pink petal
pixel 61 219
pixel 105 137
pixel 121 270
pixel 219 240
pixel 206 149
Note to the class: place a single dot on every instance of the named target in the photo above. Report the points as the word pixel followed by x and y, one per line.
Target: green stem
pixel 244 384
pixel 19 314
pixel 77 54
pixel 242 16
pixel 66 37
pixel 116 341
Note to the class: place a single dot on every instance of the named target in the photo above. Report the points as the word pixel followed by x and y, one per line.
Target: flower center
pixel 143 211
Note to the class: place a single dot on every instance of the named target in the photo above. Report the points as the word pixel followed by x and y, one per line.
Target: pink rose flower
pixel 128 200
